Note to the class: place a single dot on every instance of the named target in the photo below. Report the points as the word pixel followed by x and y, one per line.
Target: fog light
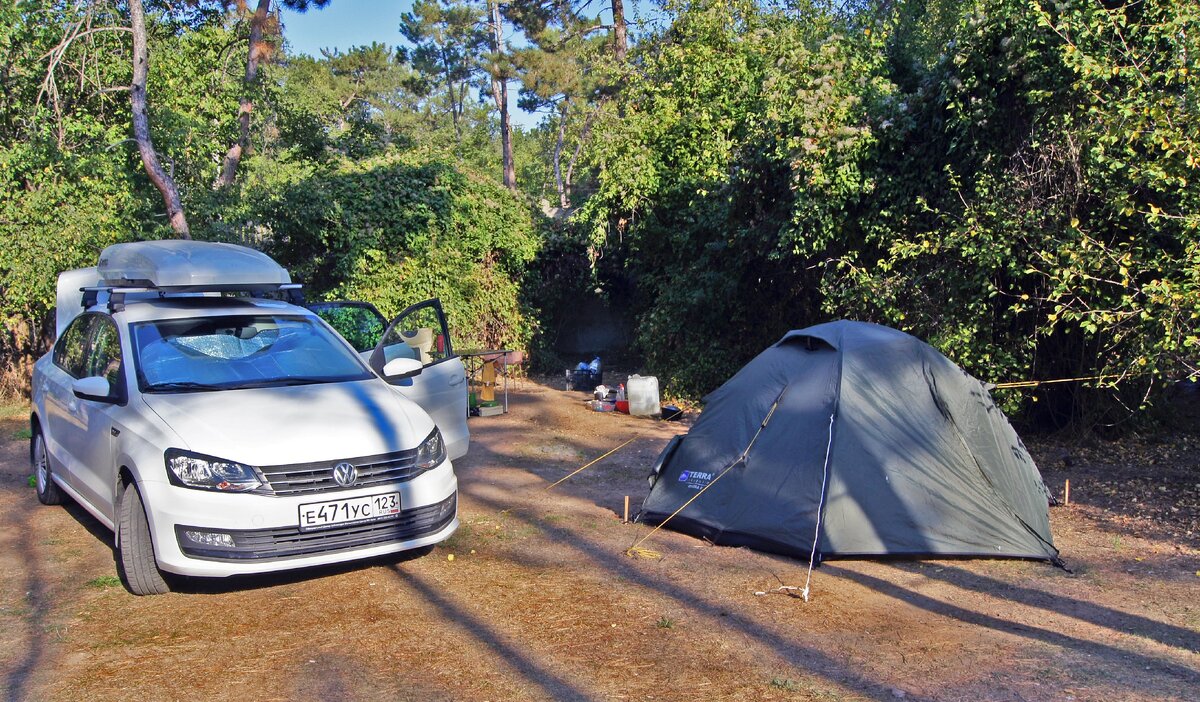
pixel 209 538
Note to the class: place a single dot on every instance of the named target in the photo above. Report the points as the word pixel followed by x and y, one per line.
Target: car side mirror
pixel 94 388
pixel 402 368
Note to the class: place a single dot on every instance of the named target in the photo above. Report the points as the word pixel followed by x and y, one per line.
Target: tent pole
pixel 812 557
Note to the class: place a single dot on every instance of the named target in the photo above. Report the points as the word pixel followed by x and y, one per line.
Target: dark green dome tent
pixel 851 439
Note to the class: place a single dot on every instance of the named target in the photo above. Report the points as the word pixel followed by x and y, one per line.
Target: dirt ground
pixel 535 599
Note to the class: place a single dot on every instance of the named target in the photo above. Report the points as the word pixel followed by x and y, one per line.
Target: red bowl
pixel 623 406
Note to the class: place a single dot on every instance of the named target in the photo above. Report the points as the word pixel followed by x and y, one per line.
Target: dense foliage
pixel 1006 179
pixel 1048 231
pixel 352 184
pixel 395 230
pixel 1012 180
pixel 738 143
pixel 64 193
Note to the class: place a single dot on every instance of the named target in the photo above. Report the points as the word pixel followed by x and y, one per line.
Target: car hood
pixel 297 424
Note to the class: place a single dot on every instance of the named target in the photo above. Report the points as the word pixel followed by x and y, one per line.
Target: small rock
pixel 898 693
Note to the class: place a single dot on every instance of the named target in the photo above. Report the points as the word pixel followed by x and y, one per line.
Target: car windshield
pixel 242 351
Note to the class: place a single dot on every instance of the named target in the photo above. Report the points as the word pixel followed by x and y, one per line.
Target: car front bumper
pixel 263 533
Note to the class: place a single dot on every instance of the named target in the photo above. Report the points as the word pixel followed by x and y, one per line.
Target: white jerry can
pixel 643 396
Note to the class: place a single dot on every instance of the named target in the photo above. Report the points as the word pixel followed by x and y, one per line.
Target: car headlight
pixel 207 473
pixel 432 451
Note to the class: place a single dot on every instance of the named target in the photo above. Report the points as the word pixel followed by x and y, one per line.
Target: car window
pixel 104 352
pixel 360 325
pixel 240 351
pixel 70 351
pixel 419 335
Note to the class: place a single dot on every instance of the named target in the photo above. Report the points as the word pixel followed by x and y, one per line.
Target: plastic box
pixel 583 380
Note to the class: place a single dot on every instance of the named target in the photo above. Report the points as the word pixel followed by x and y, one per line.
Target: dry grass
pixel 540 602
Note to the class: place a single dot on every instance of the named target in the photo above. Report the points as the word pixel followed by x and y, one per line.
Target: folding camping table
pixel 481 370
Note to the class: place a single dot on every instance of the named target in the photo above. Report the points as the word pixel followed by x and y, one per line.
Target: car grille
pixel 290 542
pixel 309 478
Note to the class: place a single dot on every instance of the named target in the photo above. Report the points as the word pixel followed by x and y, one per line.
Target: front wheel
pixel 48 491
pixel 135 551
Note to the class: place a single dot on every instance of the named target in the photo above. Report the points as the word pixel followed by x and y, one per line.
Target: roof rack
pixel 114 296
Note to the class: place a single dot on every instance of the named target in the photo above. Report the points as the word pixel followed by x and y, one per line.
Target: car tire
pixel 48 491
pixel 135 550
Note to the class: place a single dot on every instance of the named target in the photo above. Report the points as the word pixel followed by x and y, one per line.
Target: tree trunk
pixel 500 93
pixel 141 124
pixel 620 38
pixel 452 95
pixel 564 200
pixel 583 137
pixel 233 157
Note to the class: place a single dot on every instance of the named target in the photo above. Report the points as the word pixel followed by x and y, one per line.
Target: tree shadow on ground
pixel 36 598
pixel 618 566
pixel 555 686
pixel 40 601
pixel 1112 654
pixel 603 483
pixel 1089 612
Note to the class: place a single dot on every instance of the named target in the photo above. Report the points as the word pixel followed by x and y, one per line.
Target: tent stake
pixel 626 519
pixel 1067 492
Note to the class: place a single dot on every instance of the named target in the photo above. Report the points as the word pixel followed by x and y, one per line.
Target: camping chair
pixel 511 366
pixel 508 366
pixel 420 339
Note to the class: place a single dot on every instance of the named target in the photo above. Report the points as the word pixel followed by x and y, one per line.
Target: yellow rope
pixel 1035 383
pixel 591 463
pixel 636 550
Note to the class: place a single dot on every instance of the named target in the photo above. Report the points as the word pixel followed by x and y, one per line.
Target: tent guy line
pixel 636 549
pixel 1035 383
pixel 590 463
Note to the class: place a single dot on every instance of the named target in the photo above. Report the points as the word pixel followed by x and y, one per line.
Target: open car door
pixel 419 333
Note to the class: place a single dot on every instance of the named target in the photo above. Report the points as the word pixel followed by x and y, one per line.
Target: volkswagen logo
pixel 345 474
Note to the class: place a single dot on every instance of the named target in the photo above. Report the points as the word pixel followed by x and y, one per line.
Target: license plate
pixel 319 515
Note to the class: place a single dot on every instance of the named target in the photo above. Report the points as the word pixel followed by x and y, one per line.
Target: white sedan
pixel 220 436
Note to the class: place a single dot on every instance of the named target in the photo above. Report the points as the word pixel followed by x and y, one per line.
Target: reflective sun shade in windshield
pixel 240 351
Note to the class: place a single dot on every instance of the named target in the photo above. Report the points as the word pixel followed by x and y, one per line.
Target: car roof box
pixel 177 265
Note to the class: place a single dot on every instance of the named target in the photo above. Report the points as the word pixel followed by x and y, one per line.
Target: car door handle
pixel 457 380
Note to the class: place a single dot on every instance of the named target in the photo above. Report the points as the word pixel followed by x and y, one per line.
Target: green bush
pixel 395 230
pixel 1011 181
